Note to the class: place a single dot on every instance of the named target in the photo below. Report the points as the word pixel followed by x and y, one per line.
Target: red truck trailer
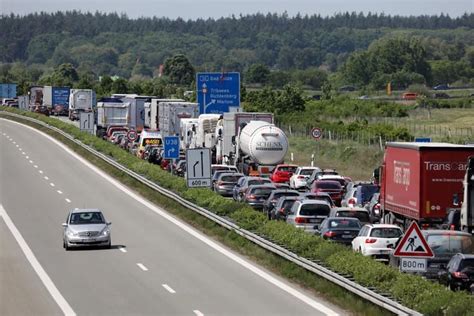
pixel 422 182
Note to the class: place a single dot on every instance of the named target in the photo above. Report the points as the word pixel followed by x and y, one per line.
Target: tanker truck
pixel 249 141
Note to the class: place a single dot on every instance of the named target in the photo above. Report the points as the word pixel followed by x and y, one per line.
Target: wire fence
pixel 361 137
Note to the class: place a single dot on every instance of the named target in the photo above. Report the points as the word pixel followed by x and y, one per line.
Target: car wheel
pixel 66 246
pixel 109 245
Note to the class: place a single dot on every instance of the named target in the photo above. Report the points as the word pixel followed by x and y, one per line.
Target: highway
pixel 157 265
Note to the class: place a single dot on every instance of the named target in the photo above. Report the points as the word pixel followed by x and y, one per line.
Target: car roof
pixel 314 202
pixel 231 174
pixel 332 176
pixel 83 210
pixel 445 232
pixel 342 218
pixel 465 255
pixel 285 190
pixel 266 185
pixel 327 181
pixel 382 226
pixel 352 209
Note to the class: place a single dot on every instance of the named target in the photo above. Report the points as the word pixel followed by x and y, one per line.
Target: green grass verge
pixel 309 281
pixel 415 292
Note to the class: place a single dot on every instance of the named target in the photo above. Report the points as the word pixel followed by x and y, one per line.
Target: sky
pixel 194 9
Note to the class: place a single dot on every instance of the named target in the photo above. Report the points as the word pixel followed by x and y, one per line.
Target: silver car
pixel 86 227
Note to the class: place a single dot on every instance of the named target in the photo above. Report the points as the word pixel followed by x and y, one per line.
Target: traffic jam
pixel 416 213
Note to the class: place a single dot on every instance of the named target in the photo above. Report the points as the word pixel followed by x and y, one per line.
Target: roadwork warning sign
pixel 413 244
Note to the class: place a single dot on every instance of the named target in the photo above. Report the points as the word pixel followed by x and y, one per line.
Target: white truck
pixel 204 134
pixel 81 100
pixel 152 112
pixel 187 131
pixel 111 112
pixel 249 140
pixel 170 114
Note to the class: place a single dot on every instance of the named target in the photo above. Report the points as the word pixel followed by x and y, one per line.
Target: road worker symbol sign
pixel 413 244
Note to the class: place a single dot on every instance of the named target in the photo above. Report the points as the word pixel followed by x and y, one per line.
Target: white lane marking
pixel 141 266
pixel 290 290
pixel 60 192
pixel 27 157
pixel 23 153
pixel 48 283
pixel 197 313
pixel 168 288
pixel 68 200
pixel 40 171
pixel 122 249
pixel 51 184
pixel 31 161
pixel 46 178
pixel 14 143
pixel 36 166
pixel 17 146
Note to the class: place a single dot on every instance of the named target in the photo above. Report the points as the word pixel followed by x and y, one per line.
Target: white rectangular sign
pixel 198 167
pixel 86 122
pixel 413 264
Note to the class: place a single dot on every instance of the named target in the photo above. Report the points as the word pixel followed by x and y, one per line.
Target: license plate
pixel 88 240
pixel 313 220
pixel 346 236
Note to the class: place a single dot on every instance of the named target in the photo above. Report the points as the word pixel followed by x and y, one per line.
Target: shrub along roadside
pixel 319 286
pixel 411 291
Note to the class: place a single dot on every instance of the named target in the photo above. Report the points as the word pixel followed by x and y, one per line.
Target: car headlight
pixel 105 232
pixel 70 233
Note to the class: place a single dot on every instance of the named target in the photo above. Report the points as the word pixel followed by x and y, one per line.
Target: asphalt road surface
pixel 157 265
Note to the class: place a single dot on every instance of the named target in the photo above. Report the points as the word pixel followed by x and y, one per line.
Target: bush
pixel 412 291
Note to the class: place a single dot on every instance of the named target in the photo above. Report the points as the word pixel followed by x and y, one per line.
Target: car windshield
pixel 467 264
pixel 344 223
pixel 86 218
pixel 306 172
pixel 447 244
pixel 287 204
pixel 386 232
pixel 287 168
pixel 259 181
pixel 280 194
pixel 230 178
pixel 314 210
pixel 329 185
pixel 262 191
pixel 361 216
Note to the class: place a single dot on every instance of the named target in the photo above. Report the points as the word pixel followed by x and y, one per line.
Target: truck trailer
pixel 422 182
pixel 81 100
pixel 170 114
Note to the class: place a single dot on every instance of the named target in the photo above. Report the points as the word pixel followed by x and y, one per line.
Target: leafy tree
pixel 105 85
pixel 120 85
pixel 179 69
pixel 289 100
pixel 257 73
pixel 64 75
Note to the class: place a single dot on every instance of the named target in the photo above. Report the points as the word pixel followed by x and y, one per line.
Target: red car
pixel 282 173
pixel 331 187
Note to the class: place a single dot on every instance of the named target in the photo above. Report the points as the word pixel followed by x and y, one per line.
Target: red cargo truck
pixel 422 182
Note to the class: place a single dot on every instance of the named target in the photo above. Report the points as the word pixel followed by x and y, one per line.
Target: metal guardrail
pixel 307 264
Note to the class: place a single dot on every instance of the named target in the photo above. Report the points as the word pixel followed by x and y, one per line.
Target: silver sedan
pixel 86 227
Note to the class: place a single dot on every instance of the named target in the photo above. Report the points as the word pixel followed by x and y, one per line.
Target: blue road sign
pixel 217 92
pixel 171 148
pixel 423 139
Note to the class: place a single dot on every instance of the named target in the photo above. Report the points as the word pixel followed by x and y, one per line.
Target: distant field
pixel 359 160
